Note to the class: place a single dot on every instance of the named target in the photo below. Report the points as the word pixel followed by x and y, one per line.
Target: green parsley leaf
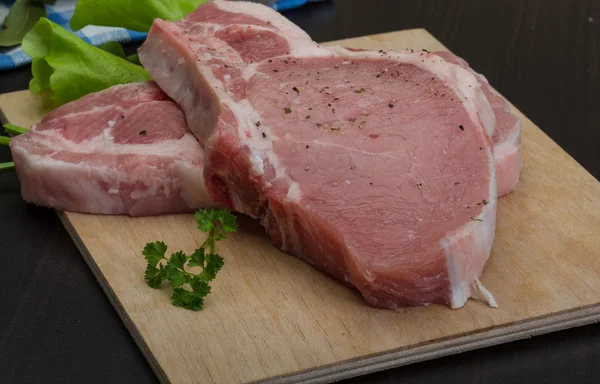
pixel 206 219
pixel 178 260
pixel 176 274
pixel 217 223
pixel 200 287
pixel 187 299
pixel 154 276
pixel 227 220
pixel 214 263
pixel 211 264
pixel 197 258
pixel 154 252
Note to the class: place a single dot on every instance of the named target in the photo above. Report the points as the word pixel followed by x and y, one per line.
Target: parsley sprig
pixel 189 289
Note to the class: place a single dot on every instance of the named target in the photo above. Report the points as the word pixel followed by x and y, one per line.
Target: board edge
pixel 429 351
pixel 113 298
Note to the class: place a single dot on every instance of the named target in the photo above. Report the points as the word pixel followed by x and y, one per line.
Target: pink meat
pixel 374 167
pixel 125 150
pixel 507 135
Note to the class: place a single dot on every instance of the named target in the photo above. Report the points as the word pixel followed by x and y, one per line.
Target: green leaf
pixel 219 236
pixel 114 48
pixel 214 263
pixel 20 19
pixel 7 167
pixel 200 288
pixel 49 2
pixel 176 277
pixel 154 276
pixel 178 260
pixel 14 130
pixel 187 299
pixel 197 258
pixel 175 271
pixel 4 140
pixel 154 252
pixel 217 223
pixel 66 67
pixel 134 58
pixel 227 220
pixel 205 218
pixel 135 15
pixel 117 50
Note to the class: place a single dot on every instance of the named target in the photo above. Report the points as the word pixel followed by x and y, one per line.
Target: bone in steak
pixel 125 150
pixel 375 167
pixel 507 135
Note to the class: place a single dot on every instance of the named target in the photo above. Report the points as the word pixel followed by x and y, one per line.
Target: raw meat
pixel 375 167
pixel 507 135
pixel 125 150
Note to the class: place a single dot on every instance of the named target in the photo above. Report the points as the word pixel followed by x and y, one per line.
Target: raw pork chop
pixel 375 167
pixel 507 135
pixel 125 150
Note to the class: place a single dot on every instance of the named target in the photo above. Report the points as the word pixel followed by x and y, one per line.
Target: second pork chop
pixel 125 150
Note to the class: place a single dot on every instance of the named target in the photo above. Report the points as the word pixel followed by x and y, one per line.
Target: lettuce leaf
pixel 117 50
pixel 20 19
pixel 135 15
pixel 64 67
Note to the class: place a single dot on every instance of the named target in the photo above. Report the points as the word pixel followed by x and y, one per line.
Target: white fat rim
pixel 482 230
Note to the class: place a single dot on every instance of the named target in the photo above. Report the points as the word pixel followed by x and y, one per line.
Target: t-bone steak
pixel 125 150
pixel 374 167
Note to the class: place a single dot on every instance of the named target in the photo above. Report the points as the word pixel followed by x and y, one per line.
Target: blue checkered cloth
pixel 61 13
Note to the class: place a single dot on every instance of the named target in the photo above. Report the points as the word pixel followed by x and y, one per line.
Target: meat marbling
pixel 375 167
pixel 506 137
pixel 125 150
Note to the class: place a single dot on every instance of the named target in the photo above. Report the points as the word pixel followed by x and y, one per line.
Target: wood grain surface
pixel 270 315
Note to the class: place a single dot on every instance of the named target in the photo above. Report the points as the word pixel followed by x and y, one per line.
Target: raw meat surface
pixel 375 167
pixel 507 135
pixel 125 150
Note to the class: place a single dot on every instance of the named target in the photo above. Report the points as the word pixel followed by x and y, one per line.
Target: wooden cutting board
pixel 271 317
